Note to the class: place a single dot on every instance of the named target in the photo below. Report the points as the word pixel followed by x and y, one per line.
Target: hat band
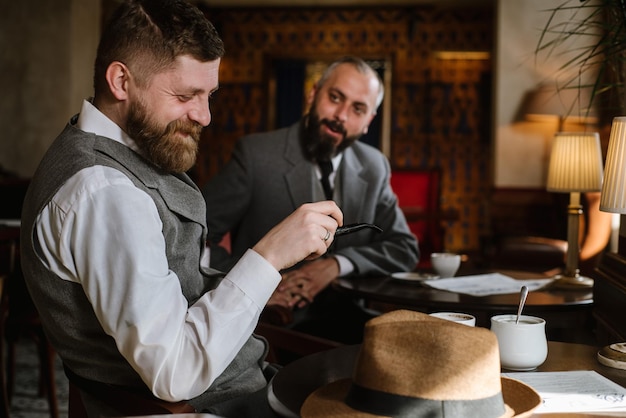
pixel 388 404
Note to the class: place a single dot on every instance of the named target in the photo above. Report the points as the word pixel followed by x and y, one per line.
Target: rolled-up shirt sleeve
pixel 104 233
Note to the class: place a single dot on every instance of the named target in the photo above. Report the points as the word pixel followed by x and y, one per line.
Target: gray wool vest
pixel 67 315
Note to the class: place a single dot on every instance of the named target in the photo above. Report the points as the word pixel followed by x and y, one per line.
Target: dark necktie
pixel 326 167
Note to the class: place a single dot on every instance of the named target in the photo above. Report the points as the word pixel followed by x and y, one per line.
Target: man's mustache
pixel 334 126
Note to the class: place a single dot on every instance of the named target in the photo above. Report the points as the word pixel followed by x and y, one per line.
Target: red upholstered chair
pixel 419 197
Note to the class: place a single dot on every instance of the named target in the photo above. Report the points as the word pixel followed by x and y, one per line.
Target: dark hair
pixel 148 36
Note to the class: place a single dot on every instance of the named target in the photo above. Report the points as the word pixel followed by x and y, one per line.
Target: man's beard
pixel 173 148
pixel 319 146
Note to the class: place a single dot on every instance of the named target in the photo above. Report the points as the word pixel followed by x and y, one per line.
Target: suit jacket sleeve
pixel 396 248
pixel 227 196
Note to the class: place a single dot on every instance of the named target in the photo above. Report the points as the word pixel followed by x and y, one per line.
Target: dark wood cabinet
pixel 610 298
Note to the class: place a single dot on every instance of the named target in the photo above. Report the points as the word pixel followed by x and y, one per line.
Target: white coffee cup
pixel 523 346
pixel 461 318
pixel 445 264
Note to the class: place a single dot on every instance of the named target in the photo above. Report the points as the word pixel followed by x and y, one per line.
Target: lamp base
pixel 562 281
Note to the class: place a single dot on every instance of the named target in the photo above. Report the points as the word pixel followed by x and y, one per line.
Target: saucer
pixel 411 276
pixel 613 355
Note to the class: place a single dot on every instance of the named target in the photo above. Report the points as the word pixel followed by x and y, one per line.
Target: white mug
pixel 523 346
pixel 461 318
pixel 445 264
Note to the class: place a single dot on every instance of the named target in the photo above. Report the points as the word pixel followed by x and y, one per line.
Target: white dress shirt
pixel 101 231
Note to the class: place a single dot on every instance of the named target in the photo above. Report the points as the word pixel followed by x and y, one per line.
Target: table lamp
pixel 613 199
pixel 575 167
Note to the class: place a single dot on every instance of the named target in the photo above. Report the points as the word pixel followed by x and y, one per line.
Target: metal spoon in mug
pixel 522 301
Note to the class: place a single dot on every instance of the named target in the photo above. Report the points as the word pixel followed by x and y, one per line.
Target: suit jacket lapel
pixel 299 176
pixel 299 171
pixel 353 186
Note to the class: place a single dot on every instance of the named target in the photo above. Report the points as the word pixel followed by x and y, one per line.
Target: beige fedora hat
pixel 414 365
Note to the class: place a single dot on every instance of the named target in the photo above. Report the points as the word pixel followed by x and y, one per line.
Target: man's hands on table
pixel 299 287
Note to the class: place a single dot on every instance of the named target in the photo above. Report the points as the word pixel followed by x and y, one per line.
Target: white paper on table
pixel 486 284
pixel 574 391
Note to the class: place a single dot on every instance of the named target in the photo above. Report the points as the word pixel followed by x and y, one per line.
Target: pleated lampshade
pixel 575 163
pixel 613 197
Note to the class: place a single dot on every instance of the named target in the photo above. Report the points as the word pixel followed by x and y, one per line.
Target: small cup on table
pixel 445 264
pixel 461 318
pixel 523 345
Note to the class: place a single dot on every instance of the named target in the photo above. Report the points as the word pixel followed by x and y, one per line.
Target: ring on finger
pixel 327 236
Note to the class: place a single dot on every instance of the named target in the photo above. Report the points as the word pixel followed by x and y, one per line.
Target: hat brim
pixel 520 397
pixel 328 401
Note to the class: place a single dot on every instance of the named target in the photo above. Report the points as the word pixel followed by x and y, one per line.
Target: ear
pixel 118 76
pixel 311 96
pixel 365 130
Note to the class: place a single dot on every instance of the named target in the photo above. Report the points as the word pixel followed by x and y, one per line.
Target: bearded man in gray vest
pixel 113 231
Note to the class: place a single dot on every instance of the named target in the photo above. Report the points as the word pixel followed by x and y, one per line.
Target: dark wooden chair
pixel 4 393
pixel 21 320
pixel 529 253
pixel 285 344
pixel 127 403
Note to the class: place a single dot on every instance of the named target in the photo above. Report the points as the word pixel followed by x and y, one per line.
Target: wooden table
pixel 294 382
pixel 567 312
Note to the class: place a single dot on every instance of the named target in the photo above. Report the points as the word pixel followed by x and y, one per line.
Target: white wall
pixel 522 147
pixel 48 48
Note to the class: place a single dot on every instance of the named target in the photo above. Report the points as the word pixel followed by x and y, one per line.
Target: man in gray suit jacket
pixel 271 174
